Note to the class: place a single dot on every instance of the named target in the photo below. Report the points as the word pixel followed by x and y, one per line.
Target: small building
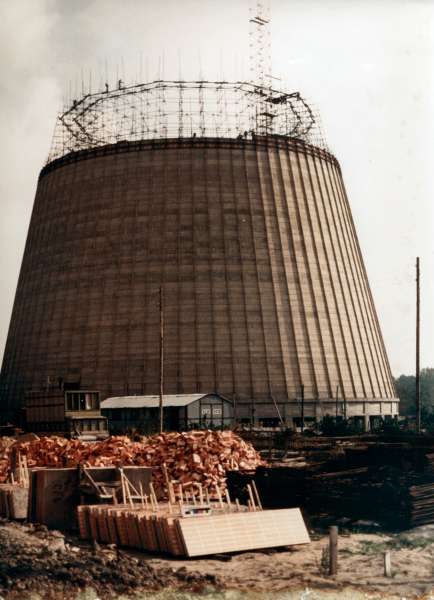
pixel 181 412
pixel 71 412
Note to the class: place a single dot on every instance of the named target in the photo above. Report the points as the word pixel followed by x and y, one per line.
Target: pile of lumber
pixel 421 503
pixel 166 528
pixel 198 457
pixel 397 495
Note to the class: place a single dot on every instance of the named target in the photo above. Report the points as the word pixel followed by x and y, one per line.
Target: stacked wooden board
pixel 388 483
pixel 420 493
pixel 421 503
pixel 165 529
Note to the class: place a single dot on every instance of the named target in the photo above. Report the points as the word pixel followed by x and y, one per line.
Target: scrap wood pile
pixel 5 451
pixel 192 457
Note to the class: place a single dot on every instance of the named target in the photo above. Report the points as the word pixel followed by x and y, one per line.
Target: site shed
pixel 181 412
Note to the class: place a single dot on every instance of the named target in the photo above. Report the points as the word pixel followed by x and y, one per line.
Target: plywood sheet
pixel 57 497
pixel 243 531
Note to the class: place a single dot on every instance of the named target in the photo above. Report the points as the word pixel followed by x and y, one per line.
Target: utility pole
pixel 418 407
pixel 161 358
pixel 302 408
pixel 337 397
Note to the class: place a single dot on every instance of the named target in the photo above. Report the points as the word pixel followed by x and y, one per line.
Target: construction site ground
pixel 37 564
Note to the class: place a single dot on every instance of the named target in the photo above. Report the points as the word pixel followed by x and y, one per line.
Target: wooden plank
pixel 56 497
pixel 243 531
pixel 83 522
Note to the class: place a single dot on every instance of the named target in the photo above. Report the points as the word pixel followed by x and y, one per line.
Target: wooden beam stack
pixel 177 531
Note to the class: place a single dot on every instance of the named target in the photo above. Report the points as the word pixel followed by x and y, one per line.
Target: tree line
pixel 406 392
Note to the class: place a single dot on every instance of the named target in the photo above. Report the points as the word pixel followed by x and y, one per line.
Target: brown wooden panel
pixel 243 531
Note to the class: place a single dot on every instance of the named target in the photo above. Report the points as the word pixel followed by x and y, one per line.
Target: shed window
pixel 81 401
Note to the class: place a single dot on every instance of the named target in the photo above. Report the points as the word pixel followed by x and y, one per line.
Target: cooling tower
pixel 266 298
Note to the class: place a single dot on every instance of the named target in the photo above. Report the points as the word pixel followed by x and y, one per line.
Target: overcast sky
pixel 367 65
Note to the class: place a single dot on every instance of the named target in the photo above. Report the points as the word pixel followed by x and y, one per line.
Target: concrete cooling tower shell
pixel 265 290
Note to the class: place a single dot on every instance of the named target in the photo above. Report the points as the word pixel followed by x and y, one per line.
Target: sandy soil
pixel 361 569
pixel 35 563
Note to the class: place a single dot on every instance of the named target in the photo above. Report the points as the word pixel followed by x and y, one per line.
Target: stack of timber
pixel 197 456
pixel 387 482
pixel 197 528
pixel 421 495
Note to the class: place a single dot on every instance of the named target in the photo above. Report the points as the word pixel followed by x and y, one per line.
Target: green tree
pixel 406 391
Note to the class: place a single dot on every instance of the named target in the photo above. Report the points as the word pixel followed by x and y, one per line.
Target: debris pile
pixel 35 562
pixel 192 457
pixel 5 450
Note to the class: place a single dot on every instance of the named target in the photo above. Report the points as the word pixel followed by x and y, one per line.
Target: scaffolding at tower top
pixel 183 109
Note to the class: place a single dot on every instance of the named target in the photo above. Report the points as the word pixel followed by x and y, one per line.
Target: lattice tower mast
pixel 260 63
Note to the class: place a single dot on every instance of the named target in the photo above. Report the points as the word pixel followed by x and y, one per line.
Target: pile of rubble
pixel 193 457
pixel 37 563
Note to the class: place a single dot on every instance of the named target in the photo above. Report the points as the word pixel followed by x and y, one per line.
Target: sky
pixel 366 65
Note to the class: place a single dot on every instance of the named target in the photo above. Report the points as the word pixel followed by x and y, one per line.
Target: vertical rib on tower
pixel 264 283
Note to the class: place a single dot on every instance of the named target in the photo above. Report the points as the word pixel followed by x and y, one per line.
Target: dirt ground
pixel 37 564
pixel 361 567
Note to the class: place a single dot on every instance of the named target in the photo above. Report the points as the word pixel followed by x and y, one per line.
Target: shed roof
pixel 154 401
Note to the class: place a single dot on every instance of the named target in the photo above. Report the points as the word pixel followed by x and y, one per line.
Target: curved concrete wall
pixel 254 244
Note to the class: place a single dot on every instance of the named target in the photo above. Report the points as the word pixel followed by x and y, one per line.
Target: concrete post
pixel 366 423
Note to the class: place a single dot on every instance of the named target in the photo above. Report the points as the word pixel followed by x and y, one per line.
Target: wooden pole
pixel 161 358
pixel 127 487
pixel 124 499
pixel 387 564
pixel 170 492
pixel 219 496
pixel 302 408
pixel 228 500
pixel 418 407
pixel 153 497
pixel 252 500
pixel 337 404
pixel 255 489
pixel 333 550
pixel 142 496
pixel 282 422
